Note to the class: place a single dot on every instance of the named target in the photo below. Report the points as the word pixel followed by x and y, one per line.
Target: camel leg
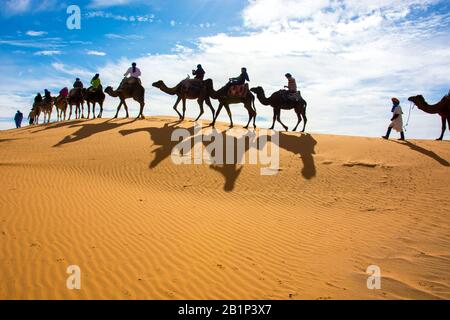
pixel 250 114
pixel 89 110
pixel 175 107
pixel 217 114
pixel 82 110
pixel 200 104
pixel 274 119
pixel 184 108
pixel 141 111
pixel 299 118
pixel 101 110
pixel 118 109
pixel 448 120
pixel 70 112
pixel 93 110
pixel 227 107
pixel 305 120
pixel 126 109
pixel 444 127
pixel 279 120
pixel 209 104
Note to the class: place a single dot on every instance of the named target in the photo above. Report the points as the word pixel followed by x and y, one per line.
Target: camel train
pixel 235 92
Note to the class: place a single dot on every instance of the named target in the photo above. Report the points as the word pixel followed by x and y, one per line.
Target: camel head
pixel 417 100
pixel 257 90
pixel 158 84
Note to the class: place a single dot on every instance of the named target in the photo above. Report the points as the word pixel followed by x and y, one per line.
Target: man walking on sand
pixel 396 121
pixel 18 119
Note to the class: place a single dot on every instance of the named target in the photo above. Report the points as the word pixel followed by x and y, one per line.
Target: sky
pixel 349 57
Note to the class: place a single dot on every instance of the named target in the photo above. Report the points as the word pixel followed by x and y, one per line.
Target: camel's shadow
pixel 231 170
pixel 87 130
pixel 425 152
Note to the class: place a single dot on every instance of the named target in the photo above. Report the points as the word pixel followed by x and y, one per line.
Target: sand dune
pixel 106 196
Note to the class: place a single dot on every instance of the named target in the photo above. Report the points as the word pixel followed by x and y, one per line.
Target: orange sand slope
pixel 105 195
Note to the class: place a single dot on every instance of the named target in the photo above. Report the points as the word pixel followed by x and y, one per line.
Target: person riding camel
pixel 292 87
pixel 96 83
pixel 199 73
pixel 38 99
pixel 292 84
pixel 78 84
pixel 47 95
pixel 396 121
pixel 238 81
pixel 134 73
pixel 64 93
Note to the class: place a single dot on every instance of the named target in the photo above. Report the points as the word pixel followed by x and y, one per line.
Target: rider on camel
pixel 199 73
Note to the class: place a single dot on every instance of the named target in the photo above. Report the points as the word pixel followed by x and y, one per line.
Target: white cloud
pixel 32 33
pixel 95 53
pixel 109 3
pixel 109 15
pixel 173 23
pixel 74 72
pixel 124 37
pixel 48 53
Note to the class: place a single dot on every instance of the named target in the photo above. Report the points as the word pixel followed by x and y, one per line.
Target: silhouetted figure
pixel 199 73
pixel 292 84
pixel 243 77
pixel 396 121
pixel 38 99
pixel 47 94
pixel 78 83
pixel 18 119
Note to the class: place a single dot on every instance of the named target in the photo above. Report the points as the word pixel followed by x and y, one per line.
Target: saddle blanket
pixel 238 91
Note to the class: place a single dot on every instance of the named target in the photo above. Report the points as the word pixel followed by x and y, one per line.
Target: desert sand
pixel 106 196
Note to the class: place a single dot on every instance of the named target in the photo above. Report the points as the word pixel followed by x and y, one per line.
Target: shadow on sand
pixel 161 137
pixel 87 130
pixel 61 124
pixel 425 152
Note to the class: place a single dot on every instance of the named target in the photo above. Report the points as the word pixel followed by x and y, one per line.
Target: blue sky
pixel 348 56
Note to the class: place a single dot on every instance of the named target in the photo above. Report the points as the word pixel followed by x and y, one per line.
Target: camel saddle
pixel 291 97
pixel 238 91
pixel 192 85
pixel 131 81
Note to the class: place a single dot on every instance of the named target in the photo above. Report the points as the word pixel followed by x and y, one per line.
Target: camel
pixel 94 97
pixel 442 108
pixel 76 98
pixel 61 107
pixel 184 91
pixel 34 115
pixel 46 107
pixel 129 89
pixel 278 103
pixel 225 101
